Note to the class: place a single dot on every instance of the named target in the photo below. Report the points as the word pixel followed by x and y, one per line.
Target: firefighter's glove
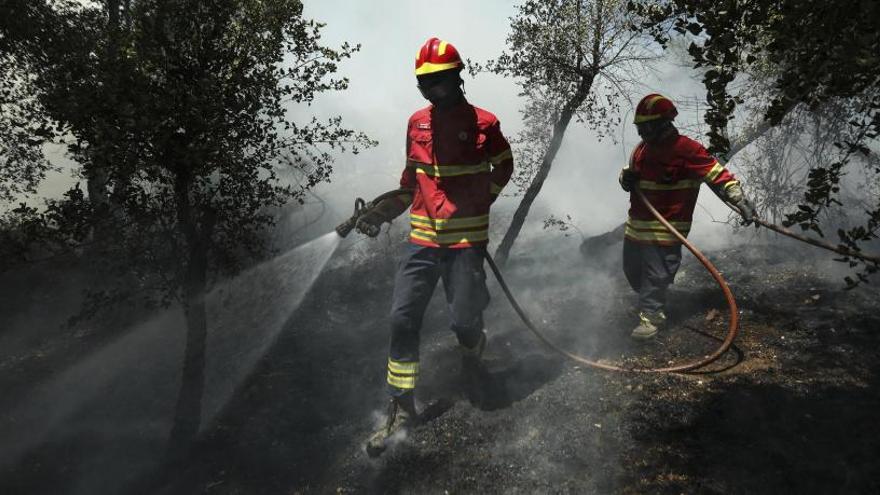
pixel 628 179
pixel 736 196
pixel 370 222
pixel 747 210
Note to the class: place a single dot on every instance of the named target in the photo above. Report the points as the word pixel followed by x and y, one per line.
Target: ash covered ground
pixel 791 409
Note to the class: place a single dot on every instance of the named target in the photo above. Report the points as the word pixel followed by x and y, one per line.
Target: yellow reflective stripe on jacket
pixel 495 188
pixel 438 224
pixel 713 174
pixel 655 224
pixel 654 231
pixel 648 185
pixel 450 237
pixel 500 157
pixel 403 368
pixel 451 170
pixel 404 382
pixel 650 235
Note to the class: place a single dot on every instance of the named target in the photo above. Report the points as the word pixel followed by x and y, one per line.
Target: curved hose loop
pixel 732 330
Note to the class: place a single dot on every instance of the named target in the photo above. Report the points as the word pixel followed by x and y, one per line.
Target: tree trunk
pixel 522 211
pixel 188 411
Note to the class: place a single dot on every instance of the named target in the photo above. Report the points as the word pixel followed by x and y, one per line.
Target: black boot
pixel 401 413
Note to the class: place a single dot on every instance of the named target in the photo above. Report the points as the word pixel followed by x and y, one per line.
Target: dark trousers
pixel 464 281
pixel 650 269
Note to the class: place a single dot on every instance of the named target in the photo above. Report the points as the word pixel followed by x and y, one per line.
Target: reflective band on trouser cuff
pixel 495 189
pixel 648 185
pixel 451 170
pixel 441 224
pixel 402 374
pixel 450 237
pixel 500 157
pixel 713 174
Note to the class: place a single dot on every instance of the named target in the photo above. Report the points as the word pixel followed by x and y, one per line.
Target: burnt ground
pixel 791 409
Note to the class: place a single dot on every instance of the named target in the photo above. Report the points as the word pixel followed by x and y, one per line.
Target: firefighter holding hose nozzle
pixel 669 169
pixel 457 162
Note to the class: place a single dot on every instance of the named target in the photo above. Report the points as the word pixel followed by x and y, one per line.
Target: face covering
pixel 654 132
pixel 440 90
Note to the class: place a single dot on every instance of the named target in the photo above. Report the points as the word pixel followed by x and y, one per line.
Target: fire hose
pixel 732 330
pixel 810 240
pixel 733 323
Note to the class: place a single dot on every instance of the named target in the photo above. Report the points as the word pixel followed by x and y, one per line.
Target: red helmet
pixel 437 55
pixel 653 107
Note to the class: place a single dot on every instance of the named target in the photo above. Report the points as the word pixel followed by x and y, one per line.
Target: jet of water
pixel 132 382
pixel 246 315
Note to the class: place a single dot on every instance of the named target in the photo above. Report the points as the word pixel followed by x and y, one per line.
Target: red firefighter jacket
pixel 457 163
pixel 670 175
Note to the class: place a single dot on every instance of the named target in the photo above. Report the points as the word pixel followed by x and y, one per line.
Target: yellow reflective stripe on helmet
pixel 404 382
pixel 495 188
pixel 645 118
pixel 448 223
pixel 450 237
pixel 650 104
pixel 500 157
pixel 648 185
pixel 713 174
pixel 655 224
pixel 403 367
pixel 441 50
pixel 451 170
pixel 429 68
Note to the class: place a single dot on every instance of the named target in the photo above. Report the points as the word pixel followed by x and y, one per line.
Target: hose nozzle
pixel 347 226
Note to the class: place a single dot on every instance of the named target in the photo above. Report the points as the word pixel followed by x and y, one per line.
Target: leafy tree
pixel 22 136
pixel 183 116
pixel 817 53
pixel 573 59
pixel 22 164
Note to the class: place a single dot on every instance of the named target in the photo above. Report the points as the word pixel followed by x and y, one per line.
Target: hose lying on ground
pixel 810 240
pixel 733 327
